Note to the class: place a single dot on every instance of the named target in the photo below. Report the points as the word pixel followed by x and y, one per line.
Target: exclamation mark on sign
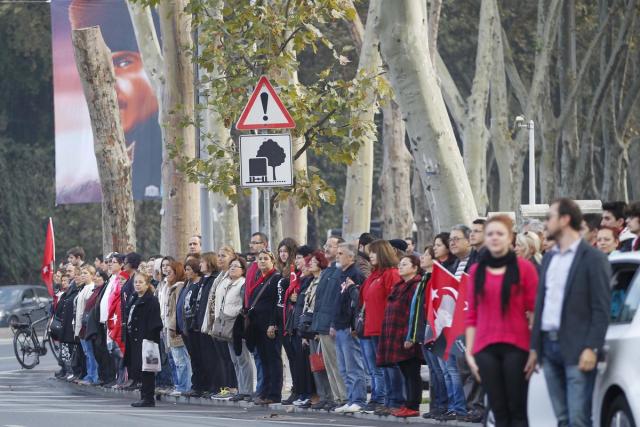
pixel 264 97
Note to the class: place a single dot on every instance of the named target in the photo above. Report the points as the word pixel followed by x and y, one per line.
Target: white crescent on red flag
pixel 48 258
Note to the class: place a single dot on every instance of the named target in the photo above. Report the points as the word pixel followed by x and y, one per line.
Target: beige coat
pixel 209 316
pixel 174 339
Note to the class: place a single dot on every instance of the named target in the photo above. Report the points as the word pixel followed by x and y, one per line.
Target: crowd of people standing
pixel 352 318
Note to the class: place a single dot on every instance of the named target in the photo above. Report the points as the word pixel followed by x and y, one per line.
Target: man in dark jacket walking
pixel 571 316
pixel 327 297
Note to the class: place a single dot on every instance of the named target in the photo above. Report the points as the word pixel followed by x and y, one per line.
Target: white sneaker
pixel 300 402
pixel 354 408
pixel 175 393
pixel 342 409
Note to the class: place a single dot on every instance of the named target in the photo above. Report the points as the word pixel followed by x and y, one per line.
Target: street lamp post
pixel 521 123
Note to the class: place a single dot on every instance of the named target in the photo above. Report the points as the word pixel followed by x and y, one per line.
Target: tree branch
pixel 307 134
pixel 148 44
pixel 518 86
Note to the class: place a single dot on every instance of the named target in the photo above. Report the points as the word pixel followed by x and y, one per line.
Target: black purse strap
pixel 257 298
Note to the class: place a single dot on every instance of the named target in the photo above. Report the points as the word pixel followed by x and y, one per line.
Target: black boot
pixel 144 404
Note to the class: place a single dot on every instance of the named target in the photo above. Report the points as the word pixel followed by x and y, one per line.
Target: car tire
pixel 619 413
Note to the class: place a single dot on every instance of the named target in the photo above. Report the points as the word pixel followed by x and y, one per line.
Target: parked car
pixel 15 300
pixel 616 396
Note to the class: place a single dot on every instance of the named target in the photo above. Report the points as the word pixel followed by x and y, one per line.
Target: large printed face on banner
pixel 77 179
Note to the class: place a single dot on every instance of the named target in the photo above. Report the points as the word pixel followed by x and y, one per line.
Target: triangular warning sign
pixel 264 110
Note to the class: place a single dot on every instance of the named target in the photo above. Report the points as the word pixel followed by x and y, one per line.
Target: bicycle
pixel 26 344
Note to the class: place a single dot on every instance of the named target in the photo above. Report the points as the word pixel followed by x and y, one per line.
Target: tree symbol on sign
pixel 274 153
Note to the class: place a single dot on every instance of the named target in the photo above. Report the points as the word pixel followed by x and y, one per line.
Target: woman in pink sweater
pixel 501 296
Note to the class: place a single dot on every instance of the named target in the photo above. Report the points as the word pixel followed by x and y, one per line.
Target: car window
pixel 9 296
pixel 42 293
pixel 28 295
pixel 625 292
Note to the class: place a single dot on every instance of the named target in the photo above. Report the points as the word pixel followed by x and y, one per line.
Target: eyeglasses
pixel 255 243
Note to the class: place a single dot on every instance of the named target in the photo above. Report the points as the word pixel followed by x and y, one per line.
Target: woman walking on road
pixel 144 323
pixel 501 297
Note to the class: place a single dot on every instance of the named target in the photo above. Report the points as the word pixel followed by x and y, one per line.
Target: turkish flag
pixel 294 287
pixel 462 306
pixel 48 260
pixel 442 310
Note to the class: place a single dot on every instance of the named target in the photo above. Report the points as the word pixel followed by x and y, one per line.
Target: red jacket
pixel 114 322
pixel 373 295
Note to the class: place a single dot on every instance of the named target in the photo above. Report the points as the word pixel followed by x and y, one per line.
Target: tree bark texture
pixel 402 28
pixel 476 135
pixel 95 67
pixel 395 178
pixel 356 217
pixel 180 198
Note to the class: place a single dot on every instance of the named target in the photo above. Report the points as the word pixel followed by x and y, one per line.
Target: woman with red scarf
pixel 262 333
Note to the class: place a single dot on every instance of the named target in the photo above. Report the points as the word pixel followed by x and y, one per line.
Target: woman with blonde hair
pixel 528 247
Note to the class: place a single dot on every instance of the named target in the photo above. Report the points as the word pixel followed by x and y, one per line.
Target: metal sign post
pixel 266 200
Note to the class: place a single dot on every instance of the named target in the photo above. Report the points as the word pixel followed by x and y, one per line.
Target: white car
pixel 616 397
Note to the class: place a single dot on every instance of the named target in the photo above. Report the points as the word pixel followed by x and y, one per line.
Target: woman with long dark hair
pixel 501 298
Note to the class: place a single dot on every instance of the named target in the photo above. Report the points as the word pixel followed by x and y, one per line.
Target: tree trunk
pixel 356 213
pixel 402 28
pixel 435 7
pixel 395 178
pixel 95 67
pixel 421 214
pixel 475 136
pixel 180 198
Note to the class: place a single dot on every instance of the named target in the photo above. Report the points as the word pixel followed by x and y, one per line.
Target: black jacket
pixel 202 297
pixel 586 305
pixel 65 312
pixel 145 324
pixel 327 296
pixel 263 313
pixel 126 293
pixel 190 306
pixel 348 299
pixel 95 329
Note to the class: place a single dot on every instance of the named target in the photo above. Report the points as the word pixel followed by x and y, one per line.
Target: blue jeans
pixel 259 374
pixel 393 383
pixel 183 368
pixel 378 390
pixel 455 390
pixel 351 366
pixel 437 382
pixel 570 389
pixel 92 364
pixel 116 354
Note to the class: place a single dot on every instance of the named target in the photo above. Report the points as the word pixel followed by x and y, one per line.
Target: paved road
pixel 32 398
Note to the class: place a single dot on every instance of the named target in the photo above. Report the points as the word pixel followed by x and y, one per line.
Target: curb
pixel 276 407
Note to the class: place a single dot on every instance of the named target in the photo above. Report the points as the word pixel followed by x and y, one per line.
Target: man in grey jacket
pixel 571 316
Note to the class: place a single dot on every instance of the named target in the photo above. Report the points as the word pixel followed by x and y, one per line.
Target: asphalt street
pixel 33 398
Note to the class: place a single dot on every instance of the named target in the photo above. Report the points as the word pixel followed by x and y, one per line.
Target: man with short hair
pixel 259 242
pixel 411 247
pixel 348 350
pixel 362 260
pixel 571 316
pixel 76 256
pixel 476 239
pixel 324 313
pixel 633 225
pixel 460 247
pixel 613 215
pixel 195 244
pixel 589 227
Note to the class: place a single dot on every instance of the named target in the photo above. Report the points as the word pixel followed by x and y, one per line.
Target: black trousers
pixel 147 391
pixel 290 351
pixel 412 382
pixel 502 372
pixel 78 361
pixel 106 365
pixel 224 374
pixel 192 343
pixel 305 386
pixel 269 351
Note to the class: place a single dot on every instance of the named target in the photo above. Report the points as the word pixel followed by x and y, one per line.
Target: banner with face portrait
pixel 77 179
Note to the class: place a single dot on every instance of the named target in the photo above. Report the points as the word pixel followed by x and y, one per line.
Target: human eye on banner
pixel 77 179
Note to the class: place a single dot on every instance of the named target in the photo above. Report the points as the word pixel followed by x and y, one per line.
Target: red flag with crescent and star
pixel 445 309
pixel 48 259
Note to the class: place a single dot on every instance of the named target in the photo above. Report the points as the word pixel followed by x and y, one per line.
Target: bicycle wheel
pixel 56 347
pixel 25 349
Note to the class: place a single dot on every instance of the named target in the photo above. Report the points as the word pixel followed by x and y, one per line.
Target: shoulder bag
pixel 223 324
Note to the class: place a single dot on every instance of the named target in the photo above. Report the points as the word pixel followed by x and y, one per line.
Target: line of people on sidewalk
pixel 349 317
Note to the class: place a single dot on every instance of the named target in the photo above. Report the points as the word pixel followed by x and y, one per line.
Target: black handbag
pixel 304 325
pixel 55 328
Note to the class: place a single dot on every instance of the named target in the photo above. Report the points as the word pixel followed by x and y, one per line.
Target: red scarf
pixel 254 285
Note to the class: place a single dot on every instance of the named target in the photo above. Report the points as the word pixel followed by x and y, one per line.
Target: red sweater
pixel 374 293
pixel 486 314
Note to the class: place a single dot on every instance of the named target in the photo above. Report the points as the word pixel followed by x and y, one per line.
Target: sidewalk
pixel 135 395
